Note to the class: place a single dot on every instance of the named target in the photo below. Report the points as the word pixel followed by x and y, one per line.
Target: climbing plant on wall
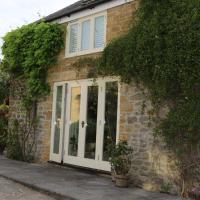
pixel 162 52
pixel 4 86
pixel 4 93
pixel 28 53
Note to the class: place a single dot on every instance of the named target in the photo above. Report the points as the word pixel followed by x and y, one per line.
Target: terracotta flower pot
pixel 122 181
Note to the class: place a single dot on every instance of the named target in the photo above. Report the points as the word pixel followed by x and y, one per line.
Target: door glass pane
pixel 74 121
pixel 85 40
pixel 90 140
pixel 111 105
pixel 58 114
pixel 99 32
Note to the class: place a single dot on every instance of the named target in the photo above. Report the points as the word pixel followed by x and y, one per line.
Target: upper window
pixel 86 36
pixel 73 43
pixel 99 30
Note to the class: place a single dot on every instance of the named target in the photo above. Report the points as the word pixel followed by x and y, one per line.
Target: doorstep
pixel 71 184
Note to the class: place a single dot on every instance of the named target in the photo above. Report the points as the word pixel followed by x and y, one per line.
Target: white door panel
pixel 57 126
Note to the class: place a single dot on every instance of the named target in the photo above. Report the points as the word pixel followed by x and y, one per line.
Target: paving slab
pixel 10 190
pixel 72 184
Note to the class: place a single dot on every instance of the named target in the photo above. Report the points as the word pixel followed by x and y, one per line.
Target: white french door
pixel 57 125
pixel 91 119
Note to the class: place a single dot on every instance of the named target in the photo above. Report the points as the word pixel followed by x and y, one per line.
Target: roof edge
pixel 67 11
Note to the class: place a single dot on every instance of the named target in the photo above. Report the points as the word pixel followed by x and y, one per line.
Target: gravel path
pixel 13 191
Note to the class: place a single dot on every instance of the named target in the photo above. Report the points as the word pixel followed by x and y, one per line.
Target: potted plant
pixel 120 162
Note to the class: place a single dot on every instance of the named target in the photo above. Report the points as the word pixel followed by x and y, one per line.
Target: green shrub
pixel 3 132
pixel 4 109
pixel 14 150
pixel 4 86
pixel 166 187
pixel 21 142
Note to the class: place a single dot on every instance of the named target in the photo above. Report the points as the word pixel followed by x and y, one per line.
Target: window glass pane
pixel 74 121
pixel 73 43
pixel 85 42
pixel 57 120
pixel 90 140
pixel 110 128
pixel 99 32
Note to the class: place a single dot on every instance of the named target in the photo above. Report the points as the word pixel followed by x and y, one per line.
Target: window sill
pixel 84 53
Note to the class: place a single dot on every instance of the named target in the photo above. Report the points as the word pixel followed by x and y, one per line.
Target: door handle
pixel 82 124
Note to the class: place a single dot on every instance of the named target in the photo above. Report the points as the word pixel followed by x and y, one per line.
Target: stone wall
pixel 118 23
pixel 151 164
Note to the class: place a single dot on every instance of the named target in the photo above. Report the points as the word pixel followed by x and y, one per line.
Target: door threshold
pixel 82 169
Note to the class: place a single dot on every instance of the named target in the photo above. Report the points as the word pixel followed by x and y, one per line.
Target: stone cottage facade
pixel 75 119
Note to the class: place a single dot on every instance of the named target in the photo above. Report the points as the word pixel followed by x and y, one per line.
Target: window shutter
pixel 99 32
pixel 85 39
pixel 73 44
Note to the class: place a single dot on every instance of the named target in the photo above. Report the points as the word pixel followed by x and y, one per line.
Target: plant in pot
pixel 110 147
pixel 120 162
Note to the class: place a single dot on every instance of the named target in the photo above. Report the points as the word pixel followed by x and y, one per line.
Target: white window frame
pixel 97 163
pixel 92 25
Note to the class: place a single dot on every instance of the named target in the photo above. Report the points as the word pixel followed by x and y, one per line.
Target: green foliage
pixel 28 53
pixel 113 60
pixel 3 132
pixel 166 187
pixel 4 85
pixel 182 123
pixel 14 150
pixel 4 108
pixel 86 63
pixel 161 51
pixel 120 157
pixel 21 142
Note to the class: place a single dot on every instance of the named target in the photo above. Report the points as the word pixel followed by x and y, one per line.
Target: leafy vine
pixel 28 53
